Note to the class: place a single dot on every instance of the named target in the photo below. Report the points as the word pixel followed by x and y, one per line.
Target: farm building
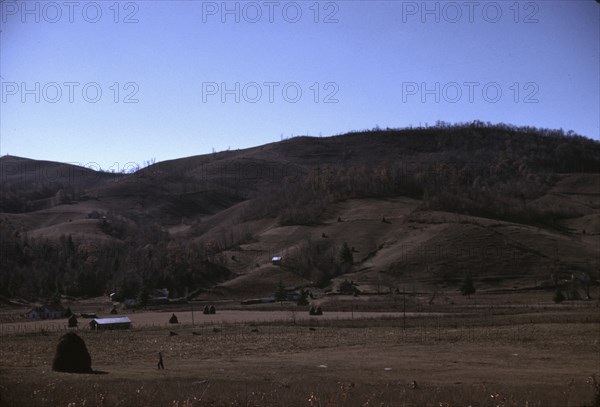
pixel 159 296
pixel 110 323
pixel 276 260
pixel 47 312
pixel 291 294
pixel 265 300
pixel 130 302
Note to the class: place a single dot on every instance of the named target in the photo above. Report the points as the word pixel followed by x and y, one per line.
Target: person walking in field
pixel 160 361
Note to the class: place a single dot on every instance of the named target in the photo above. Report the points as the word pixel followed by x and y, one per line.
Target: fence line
pixel 513 328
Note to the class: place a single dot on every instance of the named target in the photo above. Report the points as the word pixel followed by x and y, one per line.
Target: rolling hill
pixel 511 206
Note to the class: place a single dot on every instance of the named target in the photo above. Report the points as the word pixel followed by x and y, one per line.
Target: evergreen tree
pixel 55 298
pixel 345 255
pixel 280 294
pixel 70 244
pixel 302 298
pixel 558 296
pixel 467 287
pixel 143 296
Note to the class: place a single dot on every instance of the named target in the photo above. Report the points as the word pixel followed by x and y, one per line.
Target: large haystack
pixel 72 355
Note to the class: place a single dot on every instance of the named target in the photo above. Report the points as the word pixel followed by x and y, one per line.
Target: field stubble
pixel 541 359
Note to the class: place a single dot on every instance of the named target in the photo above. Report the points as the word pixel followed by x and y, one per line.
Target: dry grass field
pixel 531 356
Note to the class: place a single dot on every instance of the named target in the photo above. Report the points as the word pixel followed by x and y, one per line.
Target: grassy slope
pixel 425 247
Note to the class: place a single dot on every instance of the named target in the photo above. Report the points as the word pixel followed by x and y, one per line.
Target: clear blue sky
pixel 183 64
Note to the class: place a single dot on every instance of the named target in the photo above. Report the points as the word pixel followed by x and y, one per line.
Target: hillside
pixel 419 207
pixel 29 185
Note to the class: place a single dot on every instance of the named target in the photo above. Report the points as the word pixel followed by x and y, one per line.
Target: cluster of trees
pixel 27 196
pixel 35 268
pixel 460 186
pixel 320 260
pixel 545 149
pixel 474 169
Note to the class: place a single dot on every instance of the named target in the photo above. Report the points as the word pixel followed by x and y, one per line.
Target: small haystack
pixel 212 310
pixel 72 321
pixel 72 355
pixel 173 319
pixel 206 310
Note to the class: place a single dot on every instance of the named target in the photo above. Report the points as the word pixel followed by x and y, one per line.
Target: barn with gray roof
pixel 99 324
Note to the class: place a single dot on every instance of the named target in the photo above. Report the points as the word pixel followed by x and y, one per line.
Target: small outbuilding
pixel 159 296
pixel 276 260
pixel 99 324
pixel 131 302
pixel 47 312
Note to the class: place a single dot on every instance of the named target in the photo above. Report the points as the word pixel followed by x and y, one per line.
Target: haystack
pixel 173 319
pixel 72 355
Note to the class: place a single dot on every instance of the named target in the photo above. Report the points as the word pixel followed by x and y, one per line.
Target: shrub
pixel 345 255
pixel 281 293
pixel 467 287
pixel 558 296
pixel 302 298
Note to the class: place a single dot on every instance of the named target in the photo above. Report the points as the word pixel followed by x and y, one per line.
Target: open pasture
pixel 156 319
pixel 543 358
